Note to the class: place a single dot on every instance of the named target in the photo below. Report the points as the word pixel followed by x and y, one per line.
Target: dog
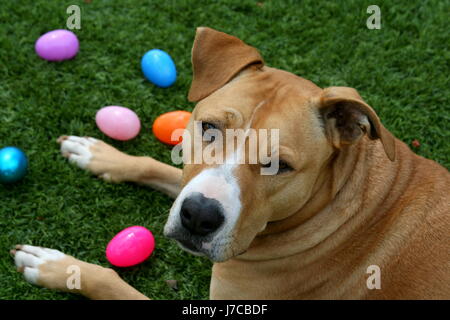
pixel 352 212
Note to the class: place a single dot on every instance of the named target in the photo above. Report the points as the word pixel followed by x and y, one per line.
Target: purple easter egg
pixel 57 45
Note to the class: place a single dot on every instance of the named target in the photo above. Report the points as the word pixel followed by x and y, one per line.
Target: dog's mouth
pixel 191 247
pixel 188 245
pixel 202 249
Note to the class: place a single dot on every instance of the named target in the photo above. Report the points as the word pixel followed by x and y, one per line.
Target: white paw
pixel 77 149
pixel 28 259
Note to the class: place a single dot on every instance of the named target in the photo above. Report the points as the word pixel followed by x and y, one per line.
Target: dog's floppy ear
pixel 347 118
pixel 216 58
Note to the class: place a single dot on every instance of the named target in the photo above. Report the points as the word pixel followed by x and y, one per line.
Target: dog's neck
pixel 336 208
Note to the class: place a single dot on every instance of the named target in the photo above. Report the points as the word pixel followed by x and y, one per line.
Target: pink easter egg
pixel 118 122
pixel 130 247
pixel 57 45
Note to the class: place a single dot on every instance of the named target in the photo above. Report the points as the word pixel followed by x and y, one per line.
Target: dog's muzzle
pixel 203 216
pixel 200 219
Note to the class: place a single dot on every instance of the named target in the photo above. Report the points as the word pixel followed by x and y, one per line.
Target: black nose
pixel 201 215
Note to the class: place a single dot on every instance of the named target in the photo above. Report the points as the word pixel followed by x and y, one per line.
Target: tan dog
pixel 349 201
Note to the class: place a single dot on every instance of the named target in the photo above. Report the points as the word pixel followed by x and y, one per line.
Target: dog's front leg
pixel 53 269
pixel 112 165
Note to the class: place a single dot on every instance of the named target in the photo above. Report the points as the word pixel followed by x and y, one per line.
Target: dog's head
pixel 224 205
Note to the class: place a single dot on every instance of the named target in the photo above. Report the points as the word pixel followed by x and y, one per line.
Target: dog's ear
pixel 216 58
pixel 347 118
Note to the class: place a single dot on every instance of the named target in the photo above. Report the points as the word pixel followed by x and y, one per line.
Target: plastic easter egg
pixel 167 123
pixel 117 122
pixel 57 45
pixel 158 68
pixel 130 247
pixel 13 164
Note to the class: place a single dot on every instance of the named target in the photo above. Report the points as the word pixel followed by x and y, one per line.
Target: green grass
pixel 402 70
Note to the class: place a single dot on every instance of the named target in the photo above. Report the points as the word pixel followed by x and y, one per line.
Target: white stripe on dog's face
pixel 219 183
pixel 214 183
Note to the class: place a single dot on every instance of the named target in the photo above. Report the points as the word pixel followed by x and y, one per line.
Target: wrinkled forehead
pixel 269 99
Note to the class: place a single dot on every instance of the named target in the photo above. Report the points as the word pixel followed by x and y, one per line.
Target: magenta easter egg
pixel 57 45
pixel 118 122
pixel 130 247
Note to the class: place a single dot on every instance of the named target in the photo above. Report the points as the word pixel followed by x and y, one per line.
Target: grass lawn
pixel 401 70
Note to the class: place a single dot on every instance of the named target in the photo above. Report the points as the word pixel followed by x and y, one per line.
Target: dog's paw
pixel 77 149
pixel 53 269
pixel 95 156
pixel 33 263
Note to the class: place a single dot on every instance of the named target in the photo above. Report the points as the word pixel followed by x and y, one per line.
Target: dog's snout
pixel 201 215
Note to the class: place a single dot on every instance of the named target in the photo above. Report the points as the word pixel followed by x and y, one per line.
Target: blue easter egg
pixel 13 164
pixel 158 68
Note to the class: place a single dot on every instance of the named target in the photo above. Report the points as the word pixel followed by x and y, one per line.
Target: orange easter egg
pixel 167 123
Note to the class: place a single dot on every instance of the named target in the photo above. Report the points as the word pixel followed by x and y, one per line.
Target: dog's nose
pixel 201 215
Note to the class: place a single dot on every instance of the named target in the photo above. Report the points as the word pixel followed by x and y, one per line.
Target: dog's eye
pixel 283 166
pixel 205 127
